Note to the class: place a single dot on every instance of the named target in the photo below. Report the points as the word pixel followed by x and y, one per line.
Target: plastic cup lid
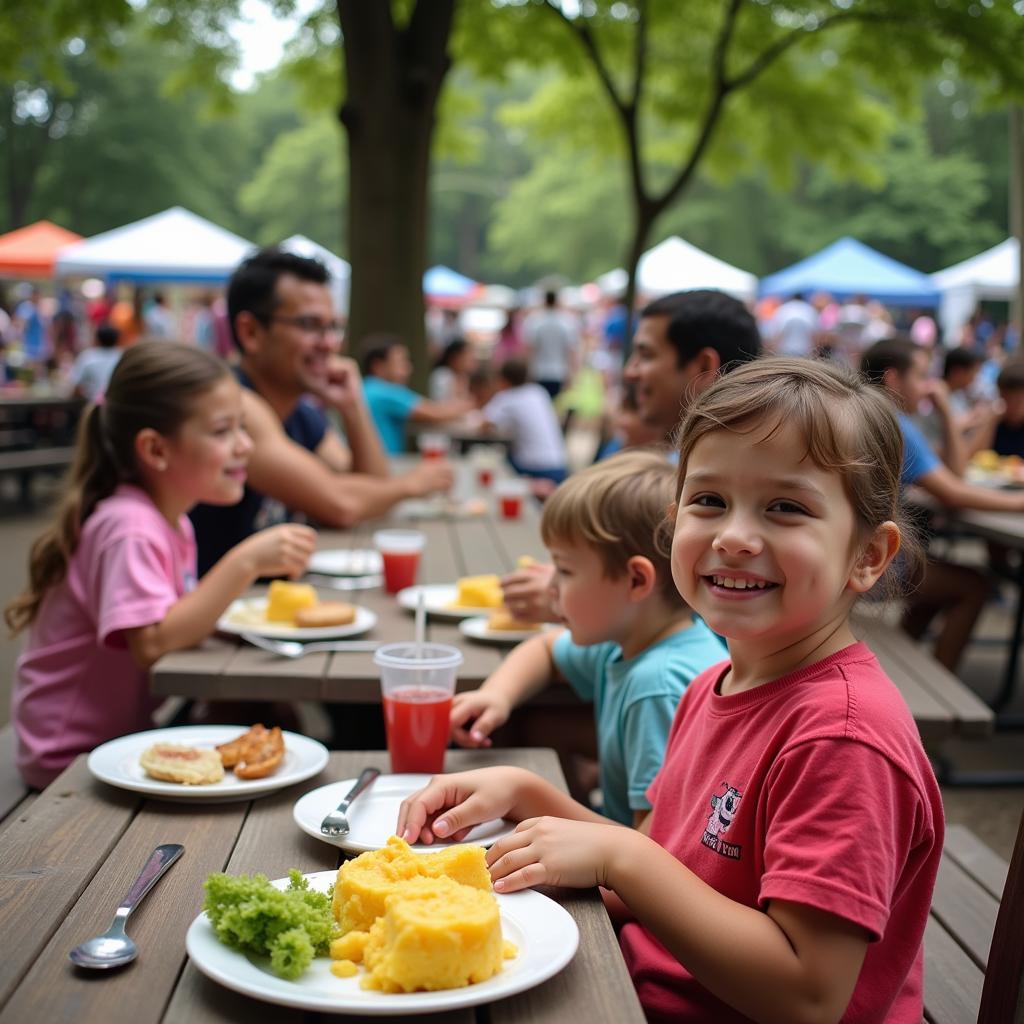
pixel 409 654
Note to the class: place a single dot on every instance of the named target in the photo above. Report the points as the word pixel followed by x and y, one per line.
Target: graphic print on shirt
pixel 723 811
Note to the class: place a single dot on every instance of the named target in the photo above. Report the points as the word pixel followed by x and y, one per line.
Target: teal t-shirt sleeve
pixel 582 667
pixel 399 401
pixel 645 731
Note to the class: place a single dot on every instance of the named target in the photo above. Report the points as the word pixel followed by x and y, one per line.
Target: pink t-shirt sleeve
pixel 841 820
pixel 133 586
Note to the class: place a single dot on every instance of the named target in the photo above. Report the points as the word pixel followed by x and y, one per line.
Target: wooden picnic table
pixel 68 857
pixel 227 669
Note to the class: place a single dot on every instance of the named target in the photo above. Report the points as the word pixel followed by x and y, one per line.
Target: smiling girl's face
pixel 765 540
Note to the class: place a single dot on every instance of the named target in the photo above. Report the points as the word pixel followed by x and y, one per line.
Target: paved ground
pixel 991 813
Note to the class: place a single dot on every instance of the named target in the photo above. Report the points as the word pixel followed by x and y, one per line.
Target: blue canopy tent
pixel 443 286
pixel 847 268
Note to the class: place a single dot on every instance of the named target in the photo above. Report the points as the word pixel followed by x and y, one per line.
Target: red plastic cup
pixel 400 552
pixel 511 496
pixel 417 684
pixel 434 446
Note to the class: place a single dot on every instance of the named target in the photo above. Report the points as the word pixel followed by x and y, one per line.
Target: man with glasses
pixel 284 324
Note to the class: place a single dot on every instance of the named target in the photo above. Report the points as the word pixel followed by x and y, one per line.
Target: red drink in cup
pixel 434 446
pixel 416 720
pixel 400 553
pixel 485 476
pixel 511 495
pixel 417 683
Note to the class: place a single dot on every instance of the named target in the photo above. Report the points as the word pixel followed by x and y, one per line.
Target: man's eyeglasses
pixel 311 324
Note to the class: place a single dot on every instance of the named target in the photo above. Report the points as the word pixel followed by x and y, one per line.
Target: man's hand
pixel 527 593
pixel 430 477
pixel 342 385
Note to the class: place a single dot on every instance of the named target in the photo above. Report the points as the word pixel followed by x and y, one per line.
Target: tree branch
pixel 639 54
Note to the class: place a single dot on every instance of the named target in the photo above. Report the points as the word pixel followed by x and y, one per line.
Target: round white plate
pixel 248 615
pixel 374 814
pixel 476 629
pixel 117 763
pixel 346 562
pixel 543 932
pixel 438 598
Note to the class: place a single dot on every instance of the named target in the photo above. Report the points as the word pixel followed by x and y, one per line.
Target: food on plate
pixel 478 592
pixel 418 921
pixel 255 754
pixel 326 613
pixel 290 926
pixel 987 460
pixel 190 766
pixel 434 934
pixel 284 600
pixel 525 561
pixel 504 620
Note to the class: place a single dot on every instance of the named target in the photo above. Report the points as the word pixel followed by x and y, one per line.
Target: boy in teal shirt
pixel 630 644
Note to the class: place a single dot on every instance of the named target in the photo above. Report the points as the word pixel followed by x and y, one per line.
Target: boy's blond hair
pixel 620 508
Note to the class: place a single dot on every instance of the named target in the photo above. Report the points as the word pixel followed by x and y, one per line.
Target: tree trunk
pixel 393 79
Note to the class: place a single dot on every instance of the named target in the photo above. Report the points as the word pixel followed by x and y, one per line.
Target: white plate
pixel 117 763
pixel 476 629
pixel 346 562
pixel 374 814
pixel 543 932
pixel 248 615
pixel 438 598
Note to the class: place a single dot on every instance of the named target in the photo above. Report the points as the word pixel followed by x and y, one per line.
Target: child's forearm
pixel 739 953
pixel 536 797
pixel 526 671
pixel 194 616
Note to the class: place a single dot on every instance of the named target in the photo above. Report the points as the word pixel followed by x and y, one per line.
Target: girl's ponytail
pixel 154 385
pixel 93 477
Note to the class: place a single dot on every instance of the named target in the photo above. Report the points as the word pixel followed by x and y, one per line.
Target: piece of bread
pixel 190 766
pixel 326 613
pixel 504 620
pixel 284 600
pixel 479 591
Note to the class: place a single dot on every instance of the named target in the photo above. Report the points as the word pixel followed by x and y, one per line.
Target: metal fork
pixel 294 649
pixel 336 824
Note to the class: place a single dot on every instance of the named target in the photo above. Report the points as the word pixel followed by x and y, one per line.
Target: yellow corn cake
pixel 284 600
pixel 434 934
pixel 479 592
pixel 363 884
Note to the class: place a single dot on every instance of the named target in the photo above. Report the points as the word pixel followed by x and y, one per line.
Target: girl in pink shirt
pixel 112 582
pixel 785 870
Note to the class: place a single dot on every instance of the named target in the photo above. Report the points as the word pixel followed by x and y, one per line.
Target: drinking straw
pixel 421 622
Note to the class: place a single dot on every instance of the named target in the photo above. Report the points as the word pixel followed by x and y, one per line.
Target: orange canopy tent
pixel 31 251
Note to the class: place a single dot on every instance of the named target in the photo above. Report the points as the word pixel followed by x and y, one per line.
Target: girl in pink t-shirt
pixel 785 870
pixel 112 582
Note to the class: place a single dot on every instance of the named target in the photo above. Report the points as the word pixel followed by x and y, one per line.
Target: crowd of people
pixel 770 827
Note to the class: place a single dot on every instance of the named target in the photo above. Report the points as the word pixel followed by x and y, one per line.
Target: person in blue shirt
pixel 630 645
pixel 957 592
pixel 393 404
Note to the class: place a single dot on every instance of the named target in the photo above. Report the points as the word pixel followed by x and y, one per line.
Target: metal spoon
pixel 113 948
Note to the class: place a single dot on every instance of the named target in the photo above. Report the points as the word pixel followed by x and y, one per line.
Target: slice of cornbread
pixel 434 934
pixel 363 884
pixel 479 592
pixel 285 599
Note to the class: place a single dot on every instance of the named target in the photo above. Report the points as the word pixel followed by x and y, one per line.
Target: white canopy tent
pixel 676 265
pixel 174 246
pixel 992 274
pixel 339 269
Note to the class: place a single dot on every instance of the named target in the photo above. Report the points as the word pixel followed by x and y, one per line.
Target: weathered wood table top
pixel 68 857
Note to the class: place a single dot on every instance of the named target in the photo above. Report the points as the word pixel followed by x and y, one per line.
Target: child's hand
pixel 555 851
pixel 483 712
pixel 450 805
pixel 527 593
pixel 280 550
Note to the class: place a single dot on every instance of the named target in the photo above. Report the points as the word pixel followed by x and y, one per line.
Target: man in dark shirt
pixel 283 321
